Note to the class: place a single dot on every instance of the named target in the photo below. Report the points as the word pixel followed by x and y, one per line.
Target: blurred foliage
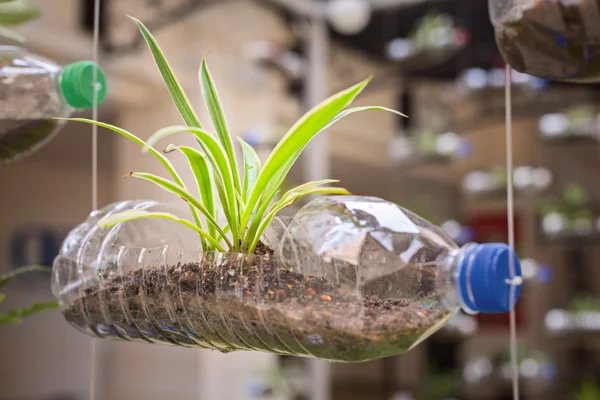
pixel 430 27
pixel 15 13
pixel 572 203
pixel 581 113
pixel 16 315
pixel 588 390
pixel 278 383
pixel 584 303
pixel 439 385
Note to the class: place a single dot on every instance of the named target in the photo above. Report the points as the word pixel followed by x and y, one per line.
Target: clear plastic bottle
pixel 33 90
pixel 550 39
pixel 347 279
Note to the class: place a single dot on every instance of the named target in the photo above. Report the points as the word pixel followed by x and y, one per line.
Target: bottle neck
pixel 453 293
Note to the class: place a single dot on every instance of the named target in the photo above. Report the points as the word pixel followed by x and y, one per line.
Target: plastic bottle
pixel 550 39
pixel 348 279
pixel 33 90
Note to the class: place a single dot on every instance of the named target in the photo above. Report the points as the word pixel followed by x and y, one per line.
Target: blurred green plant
pixel 588 390
pixel 430 27
pixel 14 13
pixel 581 113
pixel 584 303
pixel 573 205
pixel 439 385
pixel 15 316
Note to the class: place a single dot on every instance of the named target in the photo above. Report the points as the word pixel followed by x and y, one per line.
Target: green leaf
pixel 353 110
pixel 289 198
pixel 146 147
pixel 211 97
pixel 15 316
pixel 5 278
pixel 11 35
pixel 252 167
pixel 296 139
pixel 133 215
pixel 177 93
pixel 17 12
pixel 218 159
pixel 185 195
pixel 200 169
pixel 225 230
pixel 265 201
pixel 2 297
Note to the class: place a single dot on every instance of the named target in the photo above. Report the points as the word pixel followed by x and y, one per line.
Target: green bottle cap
pixel 76 83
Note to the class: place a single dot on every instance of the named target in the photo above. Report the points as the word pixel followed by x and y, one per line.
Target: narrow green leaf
pixel 286 201
pixel 252 167
pixel 267 197
pixel 185 195
pixel 177 93
pixel 225 230
pixel 11 35
pixel 134 215
pixel 15 316
pixel 239 198
pixel 17 12
pixel 145 147
pixel 276 181
pixel 296 139
pixel 211 98
pixel 199 166
pixel 218 159
pixel 2 297
pixel 5 278
pixel 353 110
pixel 266 200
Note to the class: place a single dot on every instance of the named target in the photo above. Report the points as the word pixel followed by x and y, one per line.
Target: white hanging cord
pixel 511 232
pixel 95 167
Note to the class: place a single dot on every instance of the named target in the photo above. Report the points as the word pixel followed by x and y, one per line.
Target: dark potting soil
pixel 260 305
pixel 21 137
pixel 554 40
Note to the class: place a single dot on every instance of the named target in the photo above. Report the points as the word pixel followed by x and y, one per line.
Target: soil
pixel 230 303
pixel 554 40
pixel 21 137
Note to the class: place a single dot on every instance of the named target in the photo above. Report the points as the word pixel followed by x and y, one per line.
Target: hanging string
pixel 95 43
pixel 511 232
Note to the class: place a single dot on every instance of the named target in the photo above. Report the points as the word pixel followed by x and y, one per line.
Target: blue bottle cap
pixel 484 278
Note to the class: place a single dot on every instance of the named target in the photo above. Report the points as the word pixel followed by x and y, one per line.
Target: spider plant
pixel 14 316
pixel 247 199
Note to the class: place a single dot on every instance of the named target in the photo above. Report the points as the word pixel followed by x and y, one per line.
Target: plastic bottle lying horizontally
pixel 347 279
pixel 550 39
pixel 33 90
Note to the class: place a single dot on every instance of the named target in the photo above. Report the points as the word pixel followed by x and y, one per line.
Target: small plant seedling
pixel 247 198
pixel 16 315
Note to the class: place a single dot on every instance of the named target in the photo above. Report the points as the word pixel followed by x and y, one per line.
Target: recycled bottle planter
pixel 425 147
pixel 492 183
pixel 576 225
pixel 563 322
pixel 347 279
pixel 580 318
pixel 551 39
pixel 576 125
pixel 434 40
pixel 493 372
pixel 33 90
